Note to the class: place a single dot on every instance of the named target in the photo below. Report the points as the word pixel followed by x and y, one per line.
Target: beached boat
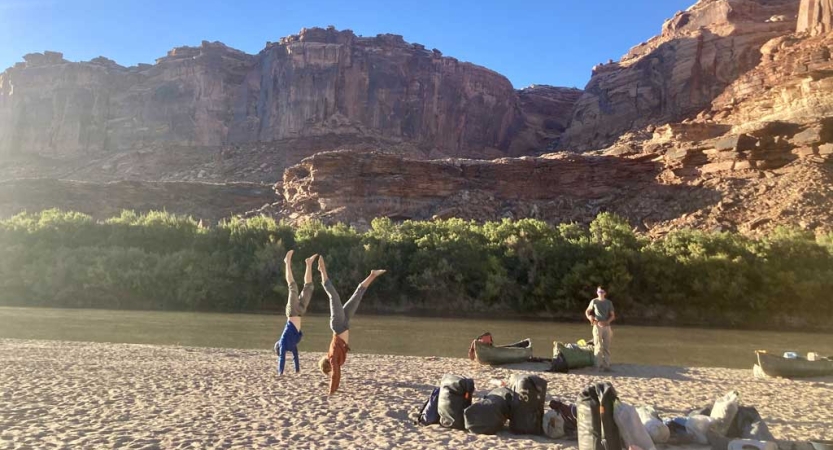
pixel 778 366
pixel 493 355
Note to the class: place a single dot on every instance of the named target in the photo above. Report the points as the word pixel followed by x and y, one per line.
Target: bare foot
pixel 288 256
pixel 321 266
pixel 311 259
pixel 371 277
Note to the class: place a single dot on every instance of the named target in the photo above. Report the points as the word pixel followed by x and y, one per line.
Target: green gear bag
pixel 576 356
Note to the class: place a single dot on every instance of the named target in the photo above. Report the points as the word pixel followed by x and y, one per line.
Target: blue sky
pixel 534 41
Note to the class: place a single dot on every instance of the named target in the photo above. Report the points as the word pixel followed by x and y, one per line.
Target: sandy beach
pixel 57 394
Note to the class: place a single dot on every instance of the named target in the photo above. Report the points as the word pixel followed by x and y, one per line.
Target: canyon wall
pixel 318 83
pixel 677 74
pixel 815 17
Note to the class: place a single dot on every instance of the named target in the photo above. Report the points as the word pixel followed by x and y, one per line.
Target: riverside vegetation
pixel 525 267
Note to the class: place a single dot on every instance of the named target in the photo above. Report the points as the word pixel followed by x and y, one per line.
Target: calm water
pixel 399 335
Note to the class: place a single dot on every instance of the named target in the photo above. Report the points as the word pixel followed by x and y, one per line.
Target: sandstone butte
pixel 724 121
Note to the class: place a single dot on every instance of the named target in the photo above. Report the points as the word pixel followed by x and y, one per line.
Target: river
pixel 400 335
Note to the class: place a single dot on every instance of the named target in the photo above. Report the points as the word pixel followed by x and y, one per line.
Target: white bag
pixel 724 411
pixel 751 444
pixel 647 413
pixel 553 425
pixel 630 426
pixel 658 431
pixel 697 426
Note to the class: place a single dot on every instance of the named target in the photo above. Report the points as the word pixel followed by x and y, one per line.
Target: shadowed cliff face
pixel 210 202
pixel 320 82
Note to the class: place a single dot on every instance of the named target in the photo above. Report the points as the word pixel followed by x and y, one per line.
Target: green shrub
pixel 164 261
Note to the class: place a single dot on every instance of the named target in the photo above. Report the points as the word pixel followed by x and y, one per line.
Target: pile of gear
pixel 521 403
pixel 724 425
pixel 599 420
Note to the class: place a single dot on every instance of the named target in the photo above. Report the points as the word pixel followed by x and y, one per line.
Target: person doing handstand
pixel 340 323
pixel 296 306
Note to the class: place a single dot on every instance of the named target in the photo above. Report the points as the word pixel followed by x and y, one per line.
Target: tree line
pixel 447 267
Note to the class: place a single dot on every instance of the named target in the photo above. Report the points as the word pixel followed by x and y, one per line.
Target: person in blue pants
pixel 296 306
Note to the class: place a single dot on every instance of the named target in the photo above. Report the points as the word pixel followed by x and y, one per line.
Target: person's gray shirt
pixel 601 308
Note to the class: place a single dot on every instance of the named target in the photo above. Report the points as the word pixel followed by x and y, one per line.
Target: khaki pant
pixel 601 345
pixel 296 304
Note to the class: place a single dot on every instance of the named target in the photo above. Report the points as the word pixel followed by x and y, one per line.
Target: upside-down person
pixel 296 306
pixel 340 316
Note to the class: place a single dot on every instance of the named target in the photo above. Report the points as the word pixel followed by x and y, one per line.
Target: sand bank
pixel 84 395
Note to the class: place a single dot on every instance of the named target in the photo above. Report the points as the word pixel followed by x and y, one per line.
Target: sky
pixel 553 42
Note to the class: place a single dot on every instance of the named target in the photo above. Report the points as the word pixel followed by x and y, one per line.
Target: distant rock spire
pixel 815 17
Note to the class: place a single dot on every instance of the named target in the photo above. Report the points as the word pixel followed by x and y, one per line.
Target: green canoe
pixel 777 366
pixel 494 355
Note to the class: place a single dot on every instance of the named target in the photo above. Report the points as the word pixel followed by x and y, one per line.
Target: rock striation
pixel 321 82
pixel 355 187
pixel 793 84
pixel 815 17
pixel 677 74
pixel 722 184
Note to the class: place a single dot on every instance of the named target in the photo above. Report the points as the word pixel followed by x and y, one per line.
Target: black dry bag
pixel 455 397
pixel 489 414
pixel 528 395
pixel 596 428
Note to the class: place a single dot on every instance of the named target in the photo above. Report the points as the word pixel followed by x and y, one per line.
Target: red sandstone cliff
pixel 815 17
pixel 734 188
pixel 723 122
pixel 792 85
pixel 329 85
pixel 677 74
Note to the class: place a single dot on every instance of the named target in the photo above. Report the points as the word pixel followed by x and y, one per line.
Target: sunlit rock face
pixel 815 17
pixel 675 75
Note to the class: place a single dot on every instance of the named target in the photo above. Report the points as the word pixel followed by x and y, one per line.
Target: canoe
pixel 494 355
pixel 777 366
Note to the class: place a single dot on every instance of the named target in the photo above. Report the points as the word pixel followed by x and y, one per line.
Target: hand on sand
pixel 288 256
pixel 311 259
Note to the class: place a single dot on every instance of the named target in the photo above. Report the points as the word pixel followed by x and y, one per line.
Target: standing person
pixel 340 323
pixel 600 313
pixel 296 306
